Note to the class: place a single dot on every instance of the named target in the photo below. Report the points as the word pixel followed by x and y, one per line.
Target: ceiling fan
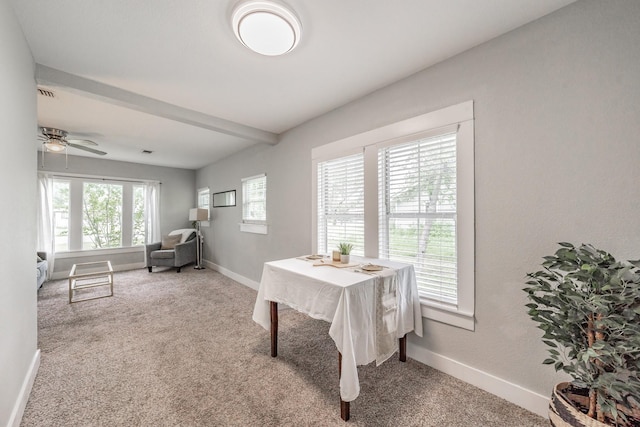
pixel 56 140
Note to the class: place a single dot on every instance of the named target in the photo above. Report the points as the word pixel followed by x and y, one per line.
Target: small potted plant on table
pixel 345 251
pixel 588 305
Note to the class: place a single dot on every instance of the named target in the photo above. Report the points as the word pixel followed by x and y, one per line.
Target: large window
pixel 405 192
pixel 417 205
pixel 101 215
pixel 97 213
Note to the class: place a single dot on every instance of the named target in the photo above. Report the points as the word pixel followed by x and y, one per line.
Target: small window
pixel 203 203
pixel 254 204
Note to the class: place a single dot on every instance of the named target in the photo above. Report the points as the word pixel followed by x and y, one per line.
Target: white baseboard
pixel 235 276
pixel 25 391
pixel 527 399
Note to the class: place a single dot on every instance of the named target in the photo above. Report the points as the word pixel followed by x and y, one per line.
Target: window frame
pixel 247 225
pixel 76 214
pixel 125 210
pixel 203 199
pixel 437 122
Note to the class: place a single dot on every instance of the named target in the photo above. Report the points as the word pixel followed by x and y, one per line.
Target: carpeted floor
pixel 181 349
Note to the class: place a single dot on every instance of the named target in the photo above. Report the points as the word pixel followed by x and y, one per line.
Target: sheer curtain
pixel 152 211
pixel 45 238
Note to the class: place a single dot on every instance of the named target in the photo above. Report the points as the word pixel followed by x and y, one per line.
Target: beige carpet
pixel 181 349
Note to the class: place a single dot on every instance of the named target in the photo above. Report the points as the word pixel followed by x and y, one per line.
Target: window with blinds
pixel 417 212
pixel 254 199
pixel 341 203
pixel 413 184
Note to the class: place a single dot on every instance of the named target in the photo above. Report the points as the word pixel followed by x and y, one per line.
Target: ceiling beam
pixel 113 95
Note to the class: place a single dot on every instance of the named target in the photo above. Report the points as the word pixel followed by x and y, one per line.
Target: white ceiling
pixel 170 77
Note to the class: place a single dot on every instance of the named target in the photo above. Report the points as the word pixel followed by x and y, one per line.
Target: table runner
pixel 350 301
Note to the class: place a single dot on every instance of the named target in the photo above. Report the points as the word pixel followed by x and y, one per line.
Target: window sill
pixel 254 228
pixel 447 314
pixel 93 252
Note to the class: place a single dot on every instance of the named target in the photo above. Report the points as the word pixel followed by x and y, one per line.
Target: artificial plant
pixel 345 248
pixel 588 305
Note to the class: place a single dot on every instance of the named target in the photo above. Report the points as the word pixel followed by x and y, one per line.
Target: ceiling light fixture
pixel 266 27
pixel 55 145
pixel 55 139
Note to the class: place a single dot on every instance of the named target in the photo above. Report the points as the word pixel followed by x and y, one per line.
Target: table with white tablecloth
pixel 368 311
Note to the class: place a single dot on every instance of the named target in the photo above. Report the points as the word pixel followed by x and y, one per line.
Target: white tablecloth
pixel 364 310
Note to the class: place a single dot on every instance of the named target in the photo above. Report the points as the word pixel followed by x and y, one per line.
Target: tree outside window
pixel 102 216
pixel 61 215
pixel 138 236
pixel 90 214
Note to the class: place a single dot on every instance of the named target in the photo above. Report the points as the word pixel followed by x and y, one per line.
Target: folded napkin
pixel 386 312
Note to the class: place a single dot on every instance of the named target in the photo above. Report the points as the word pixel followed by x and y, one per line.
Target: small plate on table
pixel 371 267
pixel 314 257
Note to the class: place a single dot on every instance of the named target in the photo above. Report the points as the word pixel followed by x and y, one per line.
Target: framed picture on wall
pixel 224 199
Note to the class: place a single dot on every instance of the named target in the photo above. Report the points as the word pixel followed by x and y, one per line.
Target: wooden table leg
pixel 274 328
pixel 403 348
pixel 344 406
pixel 344 410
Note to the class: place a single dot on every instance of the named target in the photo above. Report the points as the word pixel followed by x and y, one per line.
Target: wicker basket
pixel 563 414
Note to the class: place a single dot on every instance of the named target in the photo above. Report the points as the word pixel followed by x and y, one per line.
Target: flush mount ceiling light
pixel 266 27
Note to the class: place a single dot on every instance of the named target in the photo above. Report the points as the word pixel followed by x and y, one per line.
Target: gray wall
pixel 177 195
pixel 557 159
pixel 18 328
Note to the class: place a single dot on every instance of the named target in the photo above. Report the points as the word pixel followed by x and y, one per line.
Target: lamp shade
pixel 198 214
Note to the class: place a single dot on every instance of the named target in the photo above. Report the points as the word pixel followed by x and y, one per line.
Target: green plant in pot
pixel 345 251
pixel 588 305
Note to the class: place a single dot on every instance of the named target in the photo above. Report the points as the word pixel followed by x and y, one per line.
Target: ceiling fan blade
pixel 91 150
pixel 85 142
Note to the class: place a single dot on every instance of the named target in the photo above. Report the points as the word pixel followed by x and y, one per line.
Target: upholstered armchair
pixel 42 268
pixel 176 250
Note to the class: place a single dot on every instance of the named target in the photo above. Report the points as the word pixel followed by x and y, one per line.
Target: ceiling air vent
pixel 45 92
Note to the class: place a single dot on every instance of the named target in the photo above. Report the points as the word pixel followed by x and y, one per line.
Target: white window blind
pixel 417 212
pixel 254 199
pixel 341 203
